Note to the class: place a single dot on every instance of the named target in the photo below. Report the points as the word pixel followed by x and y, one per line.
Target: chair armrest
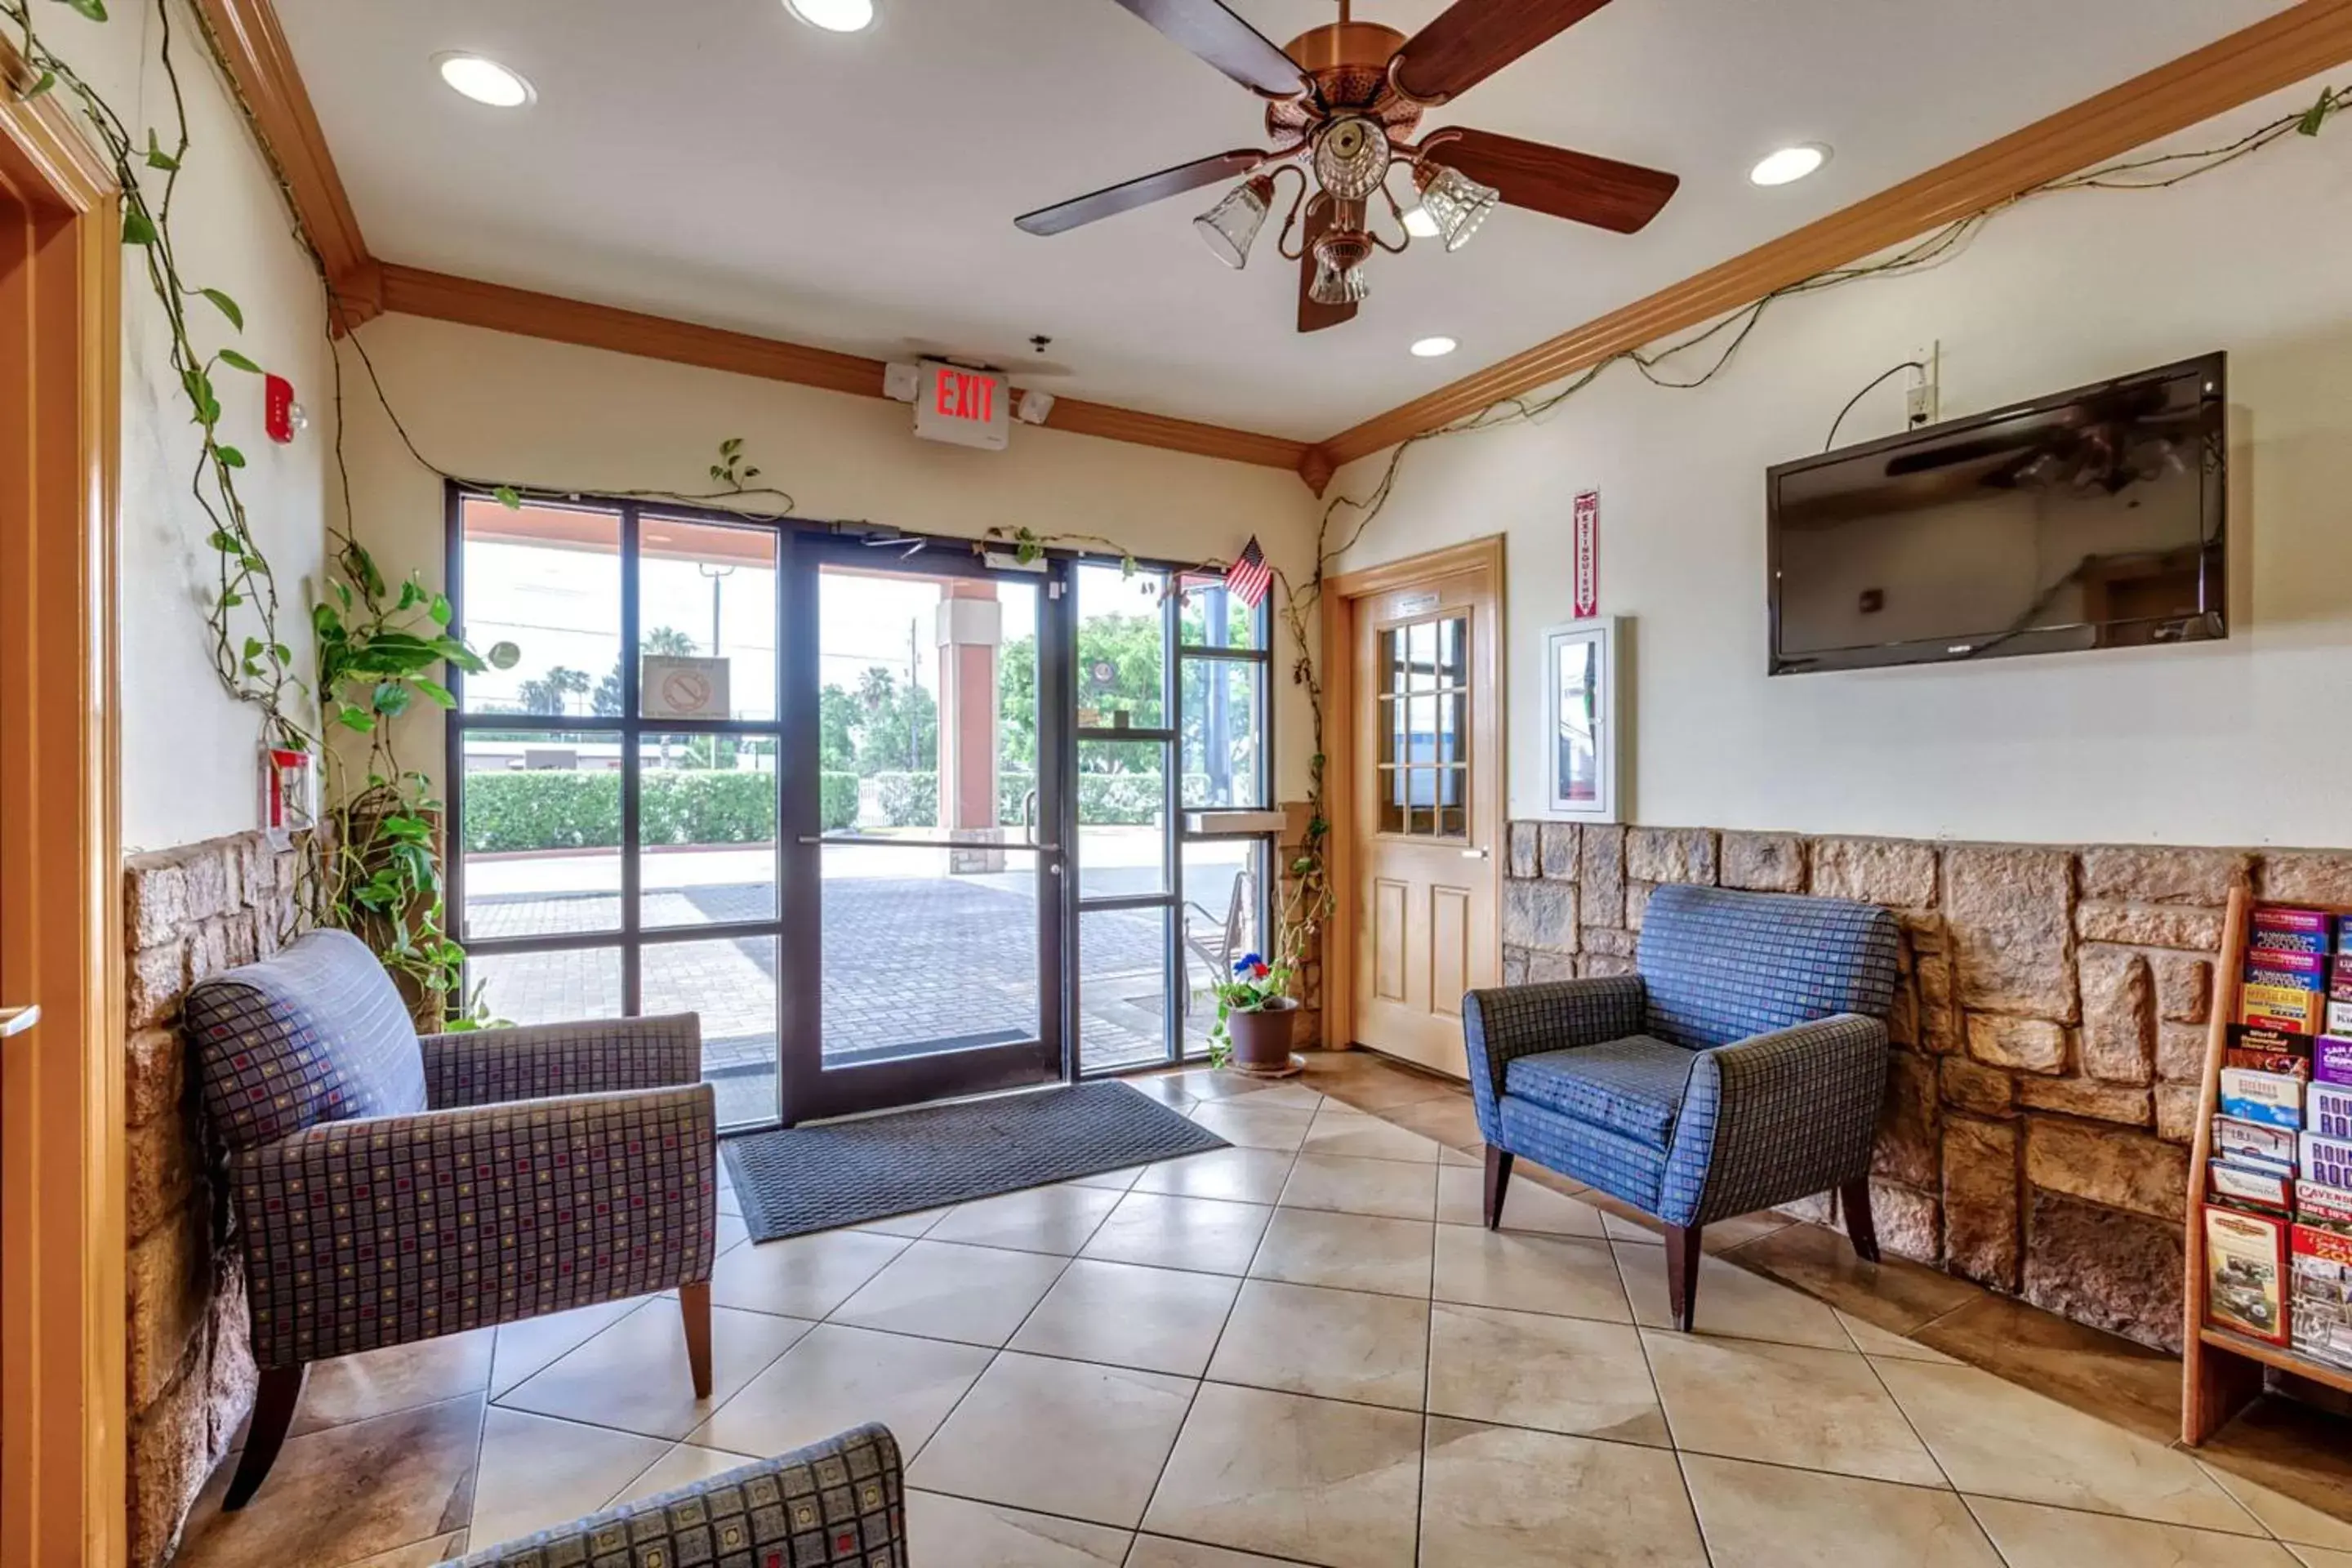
pixel 379 1231
pixel 1512 1021
pixel 849 1488
pixel 1775 1117
pixel 533 1061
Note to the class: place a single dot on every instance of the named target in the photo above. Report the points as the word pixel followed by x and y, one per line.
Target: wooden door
pixel 1427 757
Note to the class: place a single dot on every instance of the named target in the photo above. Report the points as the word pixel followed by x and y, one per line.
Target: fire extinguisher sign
pixel 1588 555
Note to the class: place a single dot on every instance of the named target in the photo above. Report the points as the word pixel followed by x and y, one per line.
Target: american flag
pixel 1249 576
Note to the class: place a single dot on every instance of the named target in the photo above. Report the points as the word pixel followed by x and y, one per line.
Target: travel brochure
pixel 2278 1216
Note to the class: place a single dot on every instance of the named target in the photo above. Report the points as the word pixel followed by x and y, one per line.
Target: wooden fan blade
pixel 1114 199
pixel 1226 42
pixel 1576 186
pixel 1314 317
pixel 1473 39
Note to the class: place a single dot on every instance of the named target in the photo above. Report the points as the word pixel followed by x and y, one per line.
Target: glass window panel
pixel 1016 703
pixel 1421 729
pixel 926 951
pixel 1451 742
pixel 1391 720
pixel 1122 649
pixel 1420 642
pixel 1452 822
pixel 1224 916
pixel 548 988
pixel 1122 988
pixel 1209 616
pixel 548 579
pixel 706 592
pixel 1223 715
pixel 1454 651
pixel 1392 663
pixel 707 820
pixel 1579 769
pixel 538 824
pixel 1122 818
pixel 731 982
pixel 1392 805
pixel 1420 823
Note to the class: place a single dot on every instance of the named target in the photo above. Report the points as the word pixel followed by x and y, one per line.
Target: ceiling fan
pixel 1343 101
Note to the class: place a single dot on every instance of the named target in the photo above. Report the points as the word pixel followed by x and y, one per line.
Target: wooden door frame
pixel 63 1436
pixel 1489 786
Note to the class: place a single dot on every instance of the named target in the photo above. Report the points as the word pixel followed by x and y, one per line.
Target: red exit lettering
pixel 961 396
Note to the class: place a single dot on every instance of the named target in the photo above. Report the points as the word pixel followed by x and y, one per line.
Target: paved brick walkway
pixel 908 962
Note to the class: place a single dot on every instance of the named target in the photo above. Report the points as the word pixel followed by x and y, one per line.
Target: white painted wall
pixel 189 751
pixel 508 409
pixel 2243 741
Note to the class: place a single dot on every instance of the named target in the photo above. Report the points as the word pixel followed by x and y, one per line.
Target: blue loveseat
pixel 1740 1067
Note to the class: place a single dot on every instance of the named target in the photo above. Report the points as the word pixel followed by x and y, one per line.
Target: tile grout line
pixel 1673 1442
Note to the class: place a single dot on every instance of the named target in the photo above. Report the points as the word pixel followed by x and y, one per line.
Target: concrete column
pixel 970 625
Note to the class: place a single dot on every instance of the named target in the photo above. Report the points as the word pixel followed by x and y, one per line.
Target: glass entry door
pixel 924 862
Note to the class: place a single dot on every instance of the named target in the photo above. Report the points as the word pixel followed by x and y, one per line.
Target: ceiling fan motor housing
pixel 1349 63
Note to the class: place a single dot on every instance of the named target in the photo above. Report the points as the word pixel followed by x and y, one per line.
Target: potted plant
pixel 1255 1015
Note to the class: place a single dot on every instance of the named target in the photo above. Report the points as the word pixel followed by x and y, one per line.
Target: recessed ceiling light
pixel 1434 348
pixel 484 81
pixel 1789 164
pixel 1420 225
pixel 833 16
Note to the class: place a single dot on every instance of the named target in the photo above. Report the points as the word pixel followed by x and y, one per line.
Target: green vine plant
pixel 380 647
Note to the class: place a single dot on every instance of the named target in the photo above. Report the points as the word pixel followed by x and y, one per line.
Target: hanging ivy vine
pixel 380 645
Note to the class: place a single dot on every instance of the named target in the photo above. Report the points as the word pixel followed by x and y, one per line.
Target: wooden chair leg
pixel 1498 1176
pixel 273 1412
pixel 1682 1273
pixel 1853 1197
pixel 694 1306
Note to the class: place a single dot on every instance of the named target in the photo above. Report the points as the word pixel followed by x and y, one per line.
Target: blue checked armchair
pixel 835 1504
pixel 1742 1066
pixel 389 1188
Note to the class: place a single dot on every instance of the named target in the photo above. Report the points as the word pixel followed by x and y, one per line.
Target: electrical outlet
pixel 1921 402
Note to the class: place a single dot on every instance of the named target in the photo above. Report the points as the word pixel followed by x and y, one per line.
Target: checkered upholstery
pixel 835 1504
pixel 317 1033
pixel 367 1219
pixel 489 1066
pixel 1723 966
pixel 1742 1068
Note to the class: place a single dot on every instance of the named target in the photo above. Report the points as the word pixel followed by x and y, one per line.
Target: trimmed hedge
pixel 908 800
pixel 1105 800
pixel 567 809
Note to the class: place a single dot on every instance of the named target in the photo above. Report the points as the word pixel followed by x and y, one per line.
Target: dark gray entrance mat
pixel 846 1172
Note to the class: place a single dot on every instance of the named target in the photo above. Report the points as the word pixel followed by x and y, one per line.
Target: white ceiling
pixel 718 162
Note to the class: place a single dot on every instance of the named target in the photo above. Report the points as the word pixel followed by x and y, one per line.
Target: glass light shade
pixel 1338 277
pixel 1455 202
pixel 1231 227
pixel 1351 158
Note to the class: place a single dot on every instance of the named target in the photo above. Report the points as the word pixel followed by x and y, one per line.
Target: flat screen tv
pixel 2092 519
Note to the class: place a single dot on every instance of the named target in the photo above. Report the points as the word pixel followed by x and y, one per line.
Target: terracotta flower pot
pixel 1262 1039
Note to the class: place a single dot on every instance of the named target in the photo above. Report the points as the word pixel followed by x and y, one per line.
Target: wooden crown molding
pixel 2275 53
pixel 249 41
pixel 413 292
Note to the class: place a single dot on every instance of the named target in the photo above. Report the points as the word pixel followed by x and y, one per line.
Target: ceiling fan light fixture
pixel 1230 228
pixel 1455 202
pixel 1351 158
pixel 833 16
pixel 1419 224
pixel 1339 276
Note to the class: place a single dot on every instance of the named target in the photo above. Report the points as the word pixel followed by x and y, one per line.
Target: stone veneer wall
pixel 189 913
pixel 2049 1031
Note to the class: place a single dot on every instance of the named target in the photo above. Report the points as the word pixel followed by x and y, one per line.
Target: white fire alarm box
pixel 966 407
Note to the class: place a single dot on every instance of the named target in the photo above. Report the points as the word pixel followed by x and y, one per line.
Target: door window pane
pixel 548 579
pixel 707 621
pixel 1122 818
pixel 1122 651
pixel 732 983
pixel 1224 733
pixel 1122 988
pixel 548 988
pixel 1421 744
pixel 538 824
pixel 706 823
pixel 923 956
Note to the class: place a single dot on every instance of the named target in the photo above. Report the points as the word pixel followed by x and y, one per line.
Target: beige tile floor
pixel 1301 1350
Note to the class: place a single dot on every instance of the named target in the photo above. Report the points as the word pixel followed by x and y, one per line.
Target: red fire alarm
pixel 280 415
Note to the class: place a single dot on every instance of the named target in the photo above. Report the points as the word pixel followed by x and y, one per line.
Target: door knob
pixel 1474 854
pixel 16 1020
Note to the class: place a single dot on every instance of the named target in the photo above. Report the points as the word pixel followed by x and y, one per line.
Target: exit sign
pixel 968 407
